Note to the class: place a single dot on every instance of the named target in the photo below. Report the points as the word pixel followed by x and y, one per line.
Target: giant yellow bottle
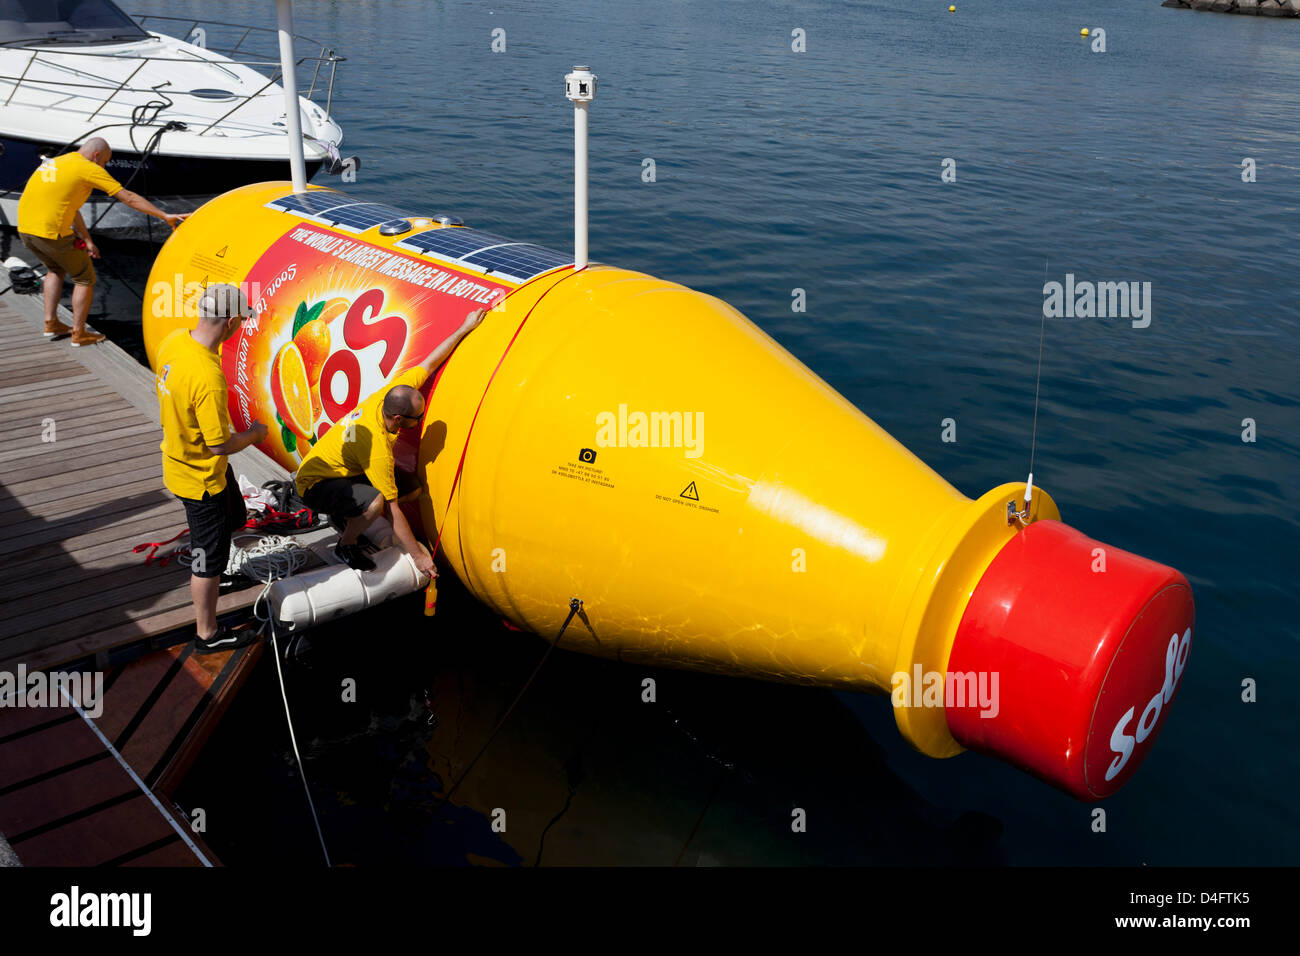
pixel 617 438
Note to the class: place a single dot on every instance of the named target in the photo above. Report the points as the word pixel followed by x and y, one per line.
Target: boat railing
pixel 324 69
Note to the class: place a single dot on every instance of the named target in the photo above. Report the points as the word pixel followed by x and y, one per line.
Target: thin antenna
pixel 580 87
pixel 1038 381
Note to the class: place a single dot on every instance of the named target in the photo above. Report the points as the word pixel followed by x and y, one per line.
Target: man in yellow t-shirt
pixel 349 474
pixel 49 223
pixel 197 440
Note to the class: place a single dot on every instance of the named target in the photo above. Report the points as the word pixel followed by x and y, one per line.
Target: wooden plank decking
pixel 72 509
pixel 66 799
pixel 74 595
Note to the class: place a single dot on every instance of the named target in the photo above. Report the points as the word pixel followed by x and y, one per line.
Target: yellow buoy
pixel 952 9
pixel 1083 32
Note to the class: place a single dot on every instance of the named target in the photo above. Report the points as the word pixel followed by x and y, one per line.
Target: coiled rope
pixel 272 557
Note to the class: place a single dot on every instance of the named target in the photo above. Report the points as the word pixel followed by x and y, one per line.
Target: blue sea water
pixel 820 170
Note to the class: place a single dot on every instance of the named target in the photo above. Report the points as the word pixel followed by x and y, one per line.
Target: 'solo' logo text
pixel 1122 743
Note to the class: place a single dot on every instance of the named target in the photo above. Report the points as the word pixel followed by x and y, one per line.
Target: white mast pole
pixel 289 80
pixel 580 87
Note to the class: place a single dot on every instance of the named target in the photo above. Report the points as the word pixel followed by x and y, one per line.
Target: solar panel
pixel 487 253
pixel 309 204
pixel 471 249
pixel 518 259
pixel 335 209
pixel 451 244
pixel 360 216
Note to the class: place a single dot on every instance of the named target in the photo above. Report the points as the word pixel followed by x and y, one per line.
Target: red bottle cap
pixel 1083 646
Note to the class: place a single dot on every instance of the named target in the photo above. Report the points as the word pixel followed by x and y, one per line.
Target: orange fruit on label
pixel 313 342
pixel 334 308
pixel 291 391
pixel 317 408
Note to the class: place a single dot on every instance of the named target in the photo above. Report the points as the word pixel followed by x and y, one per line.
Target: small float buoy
pixel 952 9
pixel 1083 32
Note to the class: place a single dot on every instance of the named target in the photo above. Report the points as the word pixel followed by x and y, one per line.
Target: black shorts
pixel 213 521
pixel 340 497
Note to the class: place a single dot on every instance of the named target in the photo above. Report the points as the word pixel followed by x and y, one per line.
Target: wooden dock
pixel 77 792
pixel 80 487
pixel 73 508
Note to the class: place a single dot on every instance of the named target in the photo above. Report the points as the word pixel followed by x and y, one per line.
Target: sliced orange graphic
pixel 334 308
pixel 291 391
pixel 313 342
pixel 317 408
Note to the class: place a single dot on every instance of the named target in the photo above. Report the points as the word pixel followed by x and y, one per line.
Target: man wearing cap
pixel 196 443
pixel 49 223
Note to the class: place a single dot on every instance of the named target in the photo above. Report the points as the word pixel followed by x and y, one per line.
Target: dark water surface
pixel 821 171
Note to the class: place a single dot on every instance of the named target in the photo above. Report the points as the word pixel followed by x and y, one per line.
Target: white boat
pixel 187 119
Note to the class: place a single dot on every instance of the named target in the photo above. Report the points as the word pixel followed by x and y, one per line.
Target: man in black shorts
pixel 196 443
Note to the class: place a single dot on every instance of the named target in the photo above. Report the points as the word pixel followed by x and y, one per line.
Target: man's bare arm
pixel 239 441
pixel 79 227
pixel 439 355
pixel 140 204
pixel 406 537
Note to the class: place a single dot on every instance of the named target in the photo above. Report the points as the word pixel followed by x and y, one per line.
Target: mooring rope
pixel 575 605
pixel 1038 381
pixel 274 558
pixel 293 739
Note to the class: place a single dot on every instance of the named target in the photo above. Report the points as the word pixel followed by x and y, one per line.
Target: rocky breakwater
pixel 1253 8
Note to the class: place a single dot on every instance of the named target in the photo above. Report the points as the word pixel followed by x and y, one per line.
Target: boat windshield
pixel 65 22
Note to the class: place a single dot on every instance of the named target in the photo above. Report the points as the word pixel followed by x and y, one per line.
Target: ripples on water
pixel 821 171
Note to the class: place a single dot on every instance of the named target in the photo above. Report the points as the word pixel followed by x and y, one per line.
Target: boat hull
pixel 173 183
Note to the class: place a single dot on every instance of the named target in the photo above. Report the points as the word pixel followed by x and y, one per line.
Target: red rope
pixel 273 516
pixel 455 481
pixel 268 516
pixel 155 545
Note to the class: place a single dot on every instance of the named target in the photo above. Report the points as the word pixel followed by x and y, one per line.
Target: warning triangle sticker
pixel 221 253
pixel 690 492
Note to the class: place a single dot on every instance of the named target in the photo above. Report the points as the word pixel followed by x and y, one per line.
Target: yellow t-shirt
pixel 358 444
pixel 192 406
pixel 56 191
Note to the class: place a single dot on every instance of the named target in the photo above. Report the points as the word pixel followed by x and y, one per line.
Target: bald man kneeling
pixel 49 223
pixel 349 474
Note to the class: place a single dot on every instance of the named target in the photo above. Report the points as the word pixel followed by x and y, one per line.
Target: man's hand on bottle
pixel 424 563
